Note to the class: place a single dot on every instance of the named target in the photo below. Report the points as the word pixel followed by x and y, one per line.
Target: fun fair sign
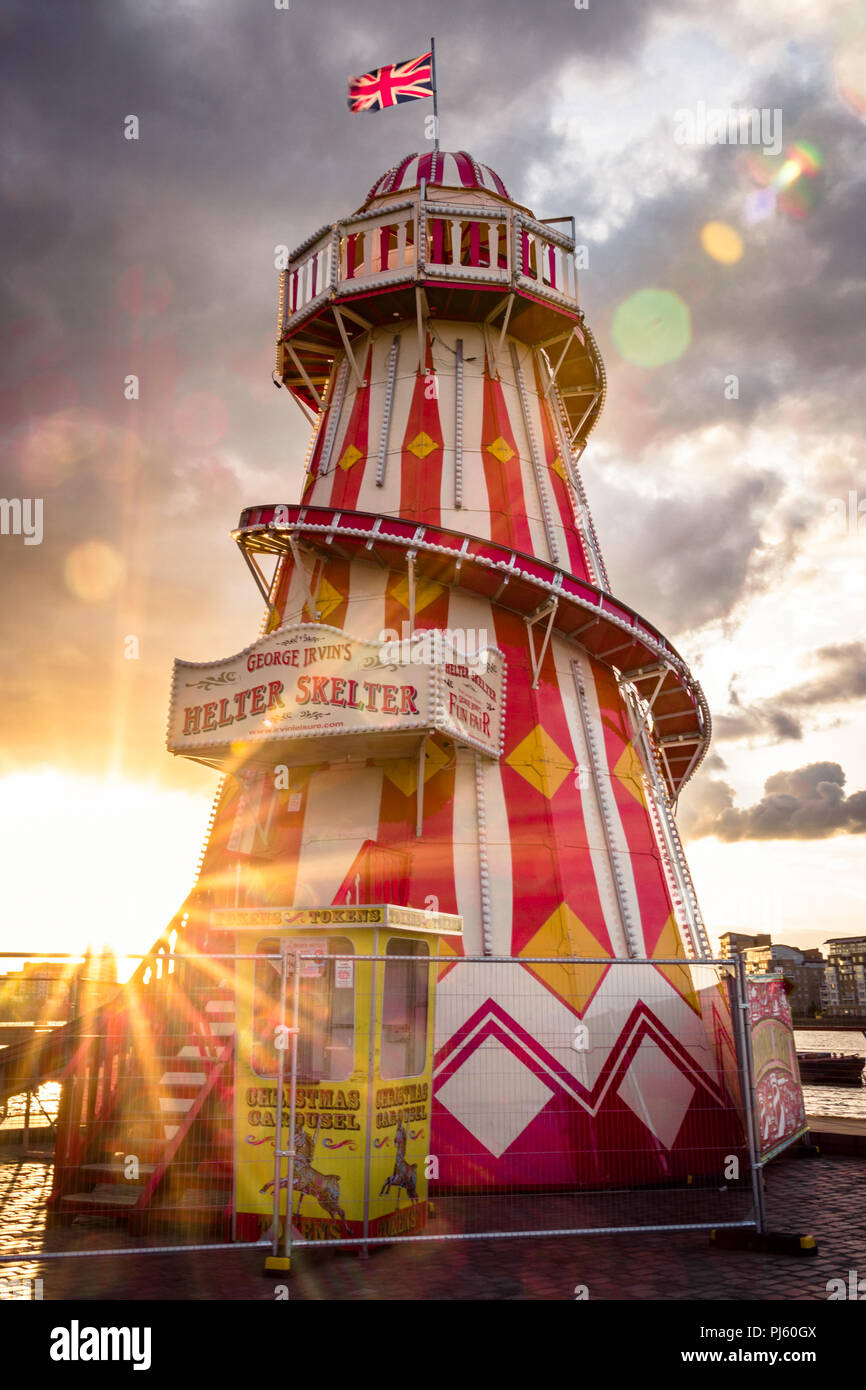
pixel 312 681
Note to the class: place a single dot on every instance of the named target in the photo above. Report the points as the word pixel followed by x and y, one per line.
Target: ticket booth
pixel 361 1094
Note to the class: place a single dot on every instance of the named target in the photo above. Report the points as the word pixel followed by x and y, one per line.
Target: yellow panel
pixel 669 944
pixel 403 772
pixel 541 761
pixel 350 458
pixel 563 934
pixel 422 445
pixel 426 590
pixel 629 770
pixel 500 450
pixel 327 598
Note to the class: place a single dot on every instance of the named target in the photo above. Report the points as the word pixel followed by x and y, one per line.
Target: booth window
pixel 326 1014
pixel 404 1009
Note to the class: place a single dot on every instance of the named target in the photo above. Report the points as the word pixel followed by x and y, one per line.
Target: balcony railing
pixel 415 241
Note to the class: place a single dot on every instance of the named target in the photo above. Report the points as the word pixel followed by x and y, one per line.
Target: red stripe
pixel 508 523
pixel 347 481
pixel 561 490
pixel 421 478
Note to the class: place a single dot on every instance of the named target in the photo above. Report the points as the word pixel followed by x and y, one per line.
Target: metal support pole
pixel 749 1101
pixel 278 1136
pixel 419 794
pixel 293 1095
pixel 458 425
pixel 410 575
pixel 371 1063
pixel 435 95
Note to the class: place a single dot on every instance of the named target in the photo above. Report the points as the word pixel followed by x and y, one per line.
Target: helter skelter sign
pixel 310 682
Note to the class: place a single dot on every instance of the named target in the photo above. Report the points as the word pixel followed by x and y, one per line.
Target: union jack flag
pixel 392 84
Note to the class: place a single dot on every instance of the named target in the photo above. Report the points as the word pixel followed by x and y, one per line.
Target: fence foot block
pixel 277 1262
pixel 766 1243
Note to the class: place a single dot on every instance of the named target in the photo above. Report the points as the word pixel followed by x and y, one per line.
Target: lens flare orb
pixel 652 327
pixel 93 571
pixel 722 242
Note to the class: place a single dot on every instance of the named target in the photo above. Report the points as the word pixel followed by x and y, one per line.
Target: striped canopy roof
pixel 444 170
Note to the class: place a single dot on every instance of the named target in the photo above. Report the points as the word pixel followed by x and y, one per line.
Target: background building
pixel 803 970
pixel 730 942
pixel 46 991
pixel 844 983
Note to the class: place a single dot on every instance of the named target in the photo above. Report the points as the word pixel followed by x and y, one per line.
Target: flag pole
pixel 435 101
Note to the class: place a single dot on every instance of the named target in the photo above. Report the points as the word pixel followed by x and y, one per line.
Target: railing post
pixel 293 1093
pixel 274 1260
pixel 744 1033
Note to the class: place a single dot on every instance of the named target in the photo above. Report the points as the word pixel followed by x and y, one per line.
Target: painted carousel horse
pixel 309 1182
pixel 404 1173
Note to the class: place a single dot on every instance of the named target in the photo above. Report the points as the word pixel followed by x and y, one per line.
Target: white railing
pixel 373 247
pixel 414 240
pixel 309 277
pixel 466 243
pixel 545 260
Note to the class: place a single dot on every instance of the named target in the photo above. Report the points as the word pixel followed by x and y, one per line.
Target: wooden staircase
pixel 145 1125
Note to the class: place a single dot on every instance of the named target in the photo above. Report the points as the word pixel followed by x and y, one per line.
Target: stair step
pixel 114 1168
pixel 205 1197
pixel 106 1195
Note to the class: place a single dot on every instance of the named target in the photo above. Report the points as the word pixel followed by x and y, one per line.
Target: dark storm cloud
pixel 156 257
pixel 842 681
pixel 808 803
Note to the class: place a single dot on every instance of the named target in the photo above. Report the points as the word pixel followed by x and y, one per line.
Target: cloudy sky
pixel 727 482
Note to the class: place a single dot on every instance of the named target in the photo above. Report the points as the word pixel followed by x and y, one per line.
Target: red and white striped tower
pixel 435 340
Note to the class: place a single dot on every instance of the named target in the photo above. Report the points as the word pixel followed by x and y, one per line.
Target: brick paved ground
pixel 824 1197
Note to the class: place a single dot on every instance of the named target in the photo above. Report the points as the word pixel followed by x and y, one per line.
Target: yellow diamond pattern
pixel 541 761
pixel 350 458
pixel 563 934
pixel 500 450
pixel 447 954
pixel 403 772
pixel 629 770
pixel 426 590
pixel 327 599
pixel 559 467
pixel 422 445
pixel 669 944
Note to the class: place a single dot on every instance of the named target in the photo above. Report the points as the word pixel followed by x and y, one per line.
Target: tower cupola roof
pixel 439 169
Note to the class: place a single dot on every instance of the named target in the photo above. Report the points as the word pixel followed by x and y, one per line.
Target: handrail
pixel 412 240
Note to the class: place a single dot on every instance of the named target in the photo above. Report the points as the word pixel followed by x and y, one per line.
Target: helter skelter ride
pixel 449 740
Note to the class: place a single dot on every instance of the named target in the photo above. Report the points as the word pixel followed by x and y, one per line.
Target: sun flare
pixel 90 860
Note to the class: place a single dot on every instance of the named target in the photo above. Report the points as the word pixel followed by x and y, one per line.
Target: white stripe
pixel 365 611
pixel 183 1078
pixel 410 174
pixel 220 1006
pixel 451 172
pixel 173 1104
pixel 343 805
pixel 563 654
